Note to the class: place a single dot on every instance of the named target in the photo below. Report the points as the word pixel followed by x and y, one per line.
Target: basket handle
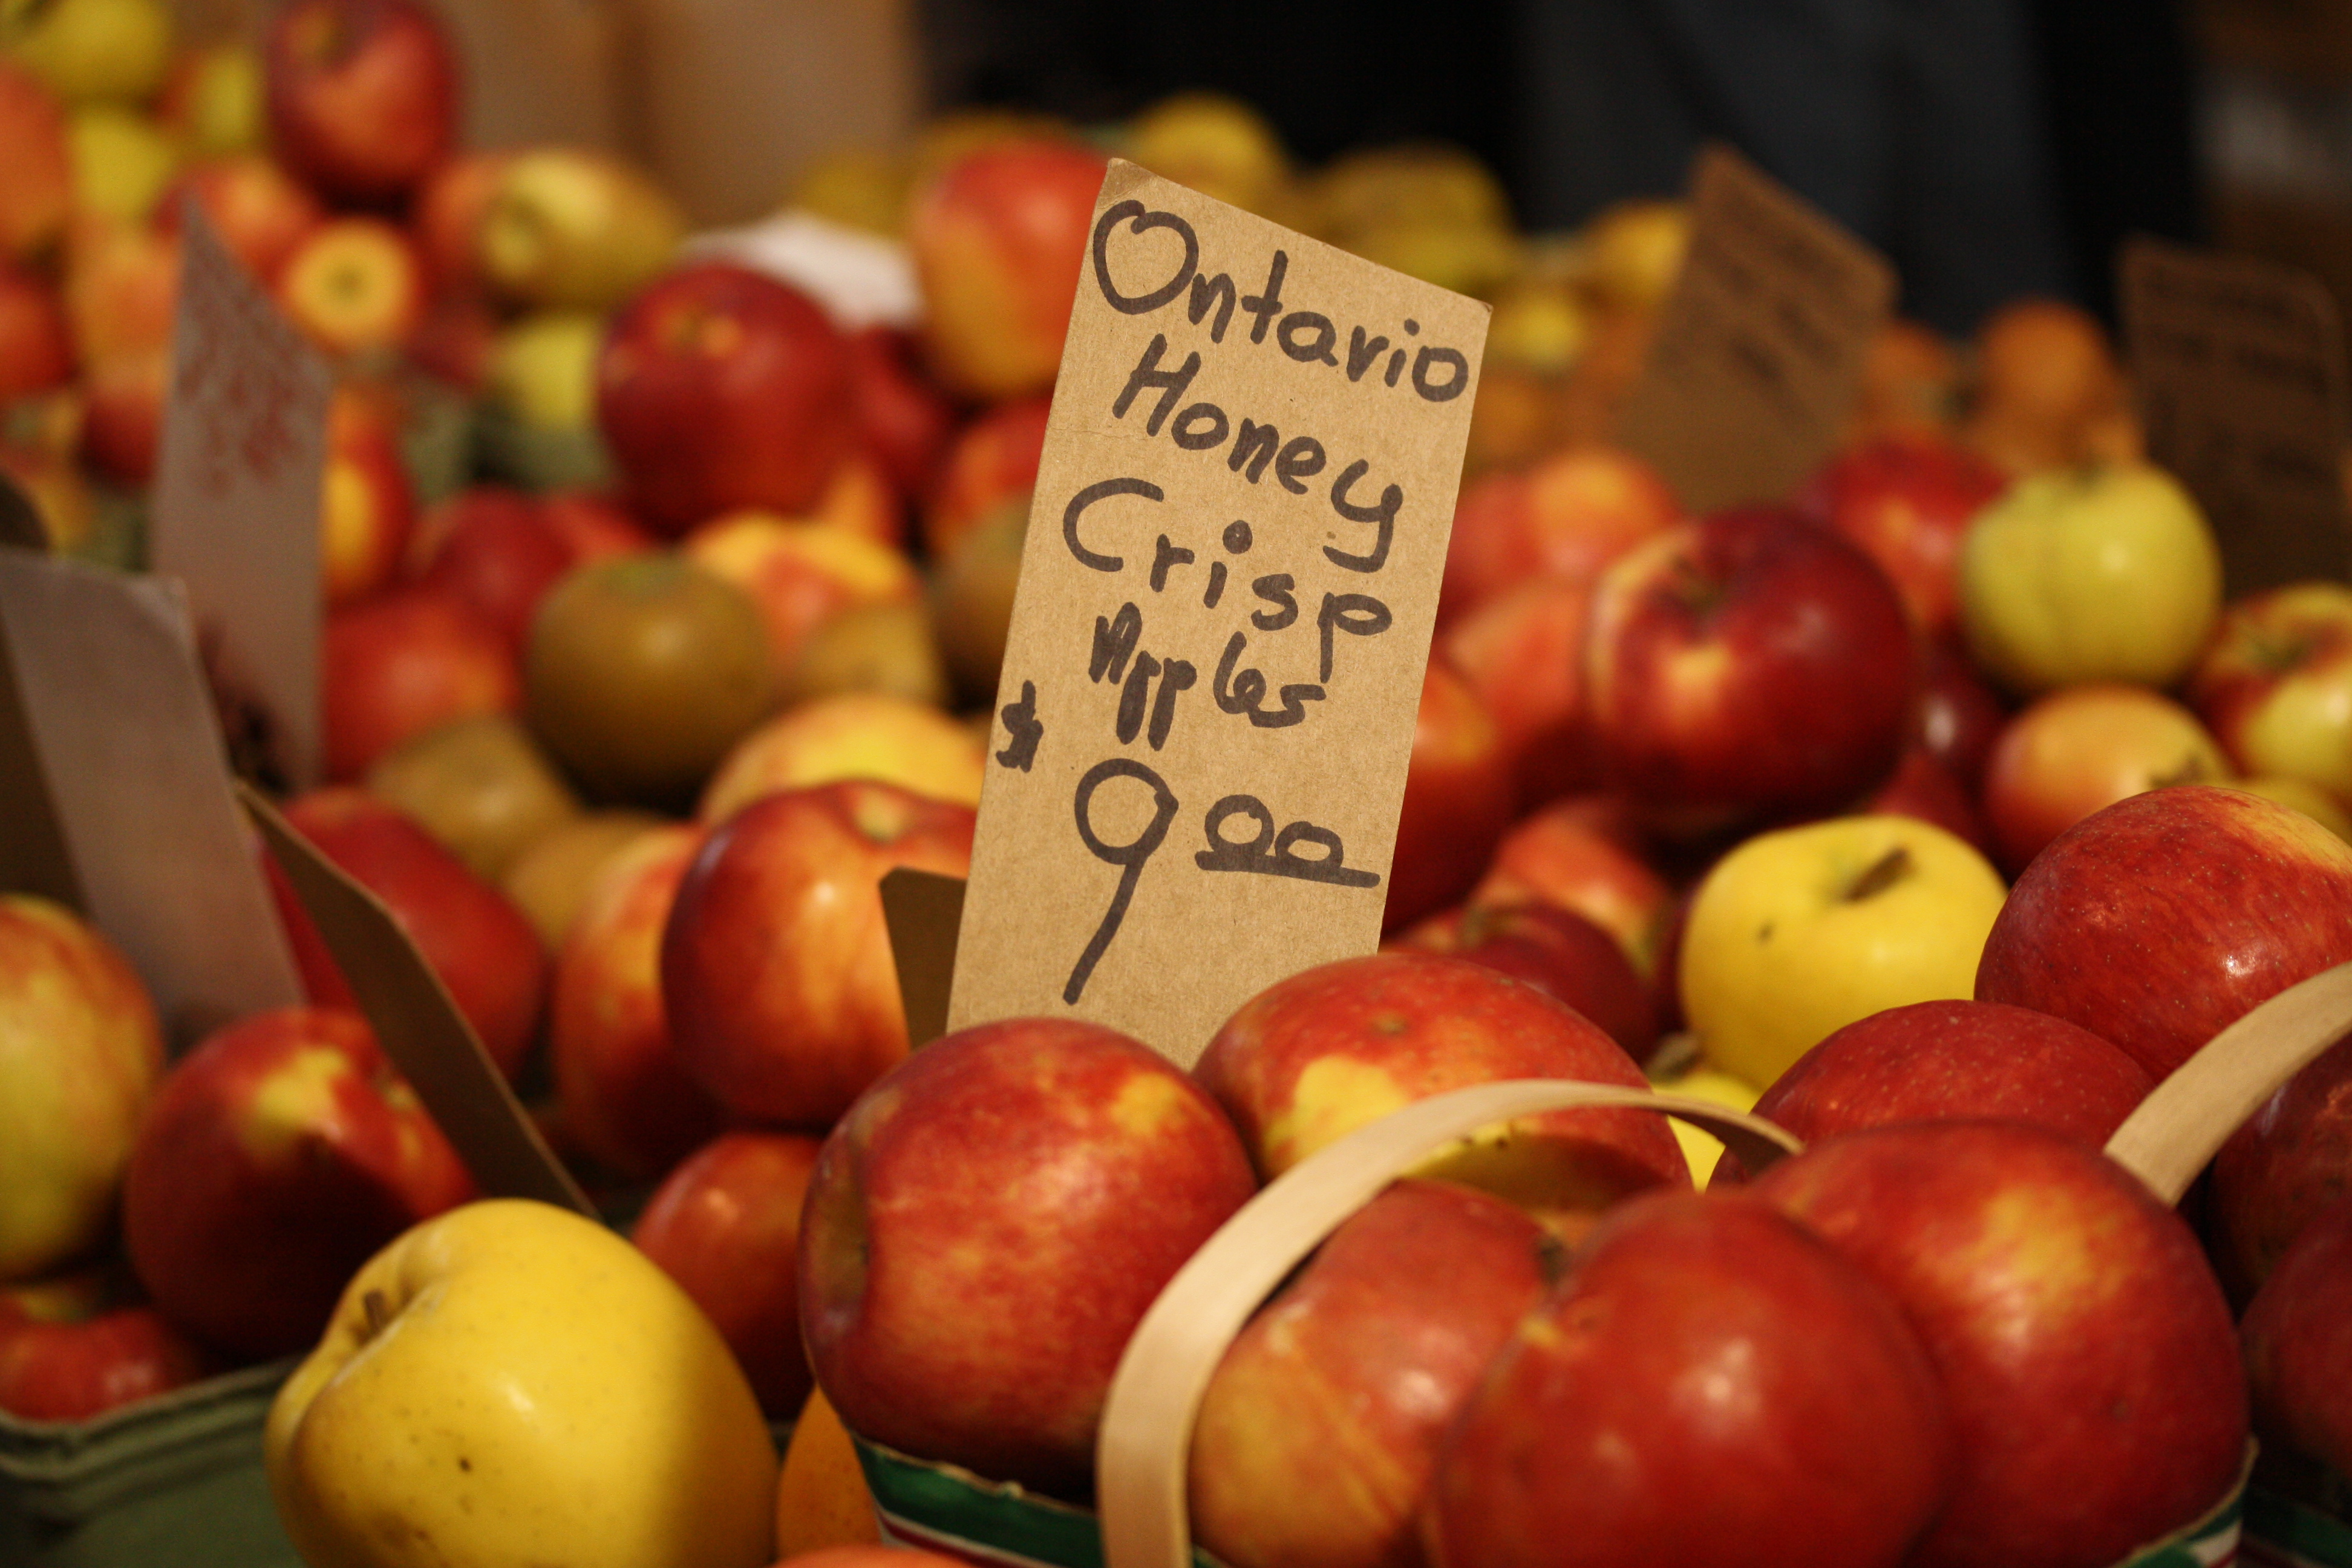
pixel 1144 1447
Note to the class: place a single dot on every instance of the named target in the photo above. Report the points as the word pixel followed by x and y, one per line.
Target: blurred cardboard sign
pixel 420 1027
pixel 117 790
pixel 1761 343
pixel 2239 365
pixel 236 504
pixel 1217 644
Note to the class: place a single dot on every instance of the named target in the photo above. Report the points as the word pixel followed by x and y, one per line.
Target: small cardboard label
pixel 2241 374
pixel 1223 613
pixel 236 502
pixel 922 910
pixel 419 1026
pixel 116 790
pixel 1761 344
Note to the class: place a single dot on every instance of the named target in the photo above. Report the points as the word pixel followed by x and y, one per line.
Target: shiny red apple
pixel 1907 498
pixel 361 96
pixel 1458 796
pixel 394 666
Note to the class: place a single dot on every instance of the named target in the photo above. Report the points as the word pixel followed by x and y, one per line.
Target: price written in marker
pixel 1223 615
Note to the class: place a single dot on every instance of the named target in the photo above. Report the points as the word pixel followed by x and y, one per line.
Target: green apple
pixel 2104 572
pixel 90 51
pixel 1801 931
pixel 510 1383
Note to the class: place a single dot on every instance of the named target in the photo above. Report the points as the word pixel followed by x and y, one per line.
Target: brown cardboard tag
pixel 1761 343
pixel 921 911
pixel 115 761
pixel 236 495
pixel 1223 613
pixel 420 1027
pixel 2241 374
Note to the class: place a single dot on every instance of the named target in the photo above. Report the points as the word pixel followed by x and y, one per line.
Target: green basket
pixel 176 1480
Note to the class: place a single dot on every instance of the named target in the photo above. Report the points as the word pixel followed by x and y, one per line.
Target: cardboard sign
pixel 1223 613
pixel 2240 376
pixel 420 1027
pixel 117 794
pixel 235 505
pixel 1761 344
pixel 921 911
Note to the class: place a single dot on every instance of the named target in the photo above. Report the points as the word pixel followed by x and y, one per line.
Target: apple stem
pixel 1883 873
pixel 377 1310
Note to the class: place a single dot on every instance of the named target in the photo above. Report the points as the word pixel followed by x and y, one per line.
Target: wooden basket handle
pixel 1142 1453
pixel 2169 1138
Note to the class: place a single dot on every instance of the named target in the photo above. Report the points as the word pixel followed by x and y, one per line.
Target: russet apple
pixel 397 664
pixel 1799 931
pixel 2274 684
pixel 510 1383
pixel 1743 665
pixel 1710 1385
pixel 1318 1431
pixel 965 1295
pixel 2105 572
pixel 621 1089
pixel 1566 516
pixel 361 96
pixel 278 1154
pixel 2085 1350
pixel 1907 498
pixel 719 387
pixel 81 1051
pixel 777 975
pixel 725 1224
pixel 476 941
pixel 2074 750
pixel 1458 795
pixel 1312 1057
pixel 2160 920
pixel 874 735
pixel 999 239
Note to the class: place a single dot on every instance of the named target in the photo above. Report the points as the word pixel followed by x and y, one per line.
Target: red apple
pixel 1939 1059
pixel 801 574
pixel 776 968
pixel 455 341
pixel 1567 517
pixel 122 286
pixel 367 507
pixel 2287 1162
pixel 621 1088
pixel 719 387
pixel 1562 954
pixel 2160 920
pixel 2274 684
pixel 2086 1351
pixel 594 525
pixel 992 460
pixel 394 665
pixel 122 415
pixel 1319 1432
pixel 494 548
pixel 362 95
pixel 726 1225
pixel 1960 716
pixel 2083 747
pixel 1579 854
pixel 1907 498
pixel 80 1049
pixel 278 1156
pixel 1746 665
pixel 448 215
pixel 1923 787
pixel 1711 1385
pixel 1310 1058
pixel 482 947
pixel 999 237
pixel 964 1294
pixel 1521 651
pixel 354 285
pixel 904 422
pixel 258 210
pixel 1458 795
pixel 36 350
pixel 2298 1343
pixel 37 177
pixel 79 1367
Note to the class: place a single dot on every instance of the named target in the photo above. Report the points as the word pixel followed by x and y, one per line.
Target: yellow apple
pixel 91 51
pixel 2103 572
pixel 1801 931
pixel 511 1383
pixel 1701 1150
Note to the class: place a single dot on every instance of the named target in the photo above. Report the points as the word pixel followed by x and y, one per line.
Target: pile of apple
pixel 1859 800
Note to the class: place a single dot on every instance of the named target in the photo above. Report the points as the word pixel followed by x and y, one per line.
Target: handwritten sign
pixel 2241 374
pixel 236 498
pixel 1222 618
pixel 117 790
pixel 1760 345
